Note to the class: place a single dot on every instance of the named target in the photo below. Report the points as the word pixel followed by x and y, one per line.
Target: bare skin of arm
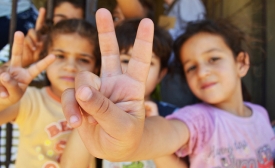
pixel 113 126
pixel 170 161
pixel 133 9
pixel 76 154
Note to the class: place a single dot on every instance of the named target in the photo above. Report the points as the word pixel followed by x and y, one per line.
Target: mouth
pixel 207 85
pixel 67 78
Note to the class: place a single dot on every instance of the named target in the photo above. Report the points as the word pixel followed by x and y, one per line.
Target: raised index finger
pixel 139 63
pixel 40 19
pixel 17 49
pixel 110 65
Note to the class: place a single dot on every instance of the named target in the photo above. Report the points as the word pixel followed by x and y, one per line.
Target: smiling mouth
pixel 67 78
pixel 207 85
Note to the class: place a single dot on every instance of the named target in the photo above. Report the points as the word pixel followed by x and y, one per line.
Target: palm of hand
pixel 122 89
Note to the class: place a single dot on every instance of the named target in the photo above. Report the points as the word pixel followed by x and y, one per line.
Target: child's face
pixel 73 54
pixel 210 68
pixel 154 76
pixel 67 11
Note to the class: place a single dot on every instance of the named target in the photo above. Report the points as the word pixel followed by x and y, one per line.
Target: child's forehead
pixel 129 52
pixel 72 42
pixel 203 42
pixel 70 38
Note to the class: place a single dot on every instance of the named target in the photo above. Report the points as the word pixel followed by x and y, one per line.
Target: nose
pixel 70 65
pixel 203 70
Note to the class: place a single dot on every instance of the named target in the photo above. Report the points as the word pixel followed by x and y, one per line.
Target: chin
pixel 212 100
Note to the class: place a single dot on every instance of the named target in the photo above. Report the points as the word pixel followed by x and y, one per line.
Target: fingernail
pixel 33 48
pixel 5 77
pixel 3 94
pixel 85 94
pixel 73 119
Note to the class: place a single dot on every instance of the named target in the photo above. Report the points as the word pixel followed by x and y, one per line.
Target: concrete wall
pixel 270 68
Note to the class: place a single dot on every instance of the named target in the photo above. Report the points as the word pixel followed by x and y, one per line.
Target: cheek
pixel 192 82
pixel 51 68
pixel 152 80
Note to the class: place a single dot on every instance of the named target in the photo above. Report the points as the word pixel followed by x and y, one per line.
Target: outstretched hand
pixel 14 79
pixel 110 109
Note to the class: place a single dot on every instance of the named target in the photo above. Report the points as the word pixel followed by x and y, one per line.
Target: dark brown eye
pixel 214 59
pixel 125 61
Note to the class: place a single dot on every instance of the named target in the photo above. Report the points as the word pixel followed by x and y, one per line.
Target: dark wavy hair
pixel 162 43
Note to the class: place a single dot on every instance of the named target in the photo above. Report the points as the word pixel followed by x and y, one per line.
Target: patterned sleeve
pixel 200 124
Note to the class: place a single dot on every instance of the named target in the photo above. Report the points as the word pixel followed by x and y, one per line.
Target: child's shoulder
pixel 33 89
pixel 33 92
pixel 257 109
pixel 197 108
pixel 255 106
pixel 194 111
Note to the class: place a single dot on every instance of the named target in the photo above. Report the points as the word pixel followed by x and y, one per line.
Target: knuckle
pixel 104 106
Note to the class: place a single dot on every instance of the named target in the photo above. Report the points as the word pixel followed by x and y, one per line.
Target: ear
pixel 162 73
pixel 243 63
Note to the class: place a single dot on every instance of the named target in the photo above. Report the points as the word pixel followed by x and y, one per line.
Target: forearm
pixel 9 113
pixel 170 161
pixel 161 137
pixel 133 9
pixel 75 153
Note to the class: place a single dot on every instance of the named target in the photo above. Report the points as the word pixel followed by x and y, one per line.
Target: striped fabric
pixel 9 139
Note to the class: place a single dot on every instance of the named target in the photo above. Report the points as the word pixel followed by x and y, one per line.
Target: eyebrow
pixel 82 54
pixel 207 51
pixel 60 15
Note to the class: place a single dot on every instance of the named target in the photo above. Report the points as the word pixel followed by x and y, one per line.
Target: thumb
pixel 114 121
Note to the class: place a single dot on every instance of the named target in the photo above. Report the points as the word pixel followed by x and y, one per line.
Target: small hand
pixel 118 106
pixel 33 44
pixel 151 109
pixel 14 79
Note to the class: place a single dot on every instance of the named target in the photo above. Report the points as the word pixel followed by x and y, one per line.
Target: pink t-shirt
pixel 220 139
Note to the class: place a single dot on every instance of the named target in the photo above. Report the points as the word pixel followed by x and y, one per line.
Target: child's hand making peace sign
pixel 115 100
pixel 14 79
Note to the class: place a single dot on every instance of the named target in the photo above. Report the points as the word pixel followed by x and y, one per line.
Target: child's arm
pixel 122 133
pixel 15 79
pixel 170 161
pixel 174 161
pixel 76 154
pixel 133 9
